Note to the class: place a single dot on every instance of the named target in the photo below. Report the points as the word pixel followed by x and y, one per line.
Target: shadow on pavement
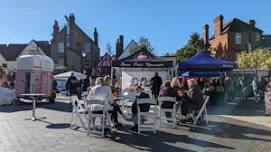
pixel 58 106
pixel 162 141
pixel 237 108
pixel 232 130
pixel 14 108
pixel 59 126
pixel 23 106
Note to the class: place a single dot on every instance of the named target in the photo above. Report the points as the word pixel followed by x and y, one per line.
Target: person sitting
pixel 116 109
pixel 194 100
pixel 143 108
pixel 102 93
pixel 168 91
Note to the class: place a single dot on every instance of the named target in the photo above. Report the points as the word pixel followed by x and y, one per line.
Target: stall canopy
pixel 66 75
pixel 202 61
pixel 202 74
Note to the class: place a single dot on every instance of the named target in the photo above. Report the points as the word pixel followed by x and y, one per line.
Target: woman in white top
pixel 102 92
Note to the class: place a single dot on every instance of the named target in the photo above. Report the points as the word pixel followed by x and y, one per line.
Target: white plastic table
pixel 35 97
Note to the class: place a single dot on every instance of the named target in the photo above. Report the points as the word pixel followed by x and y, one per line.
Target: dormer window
pixel 258 37
pixel 237 38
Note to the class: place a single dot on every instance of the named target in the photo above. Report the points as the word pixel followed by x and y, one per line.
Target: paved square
pixel 224 133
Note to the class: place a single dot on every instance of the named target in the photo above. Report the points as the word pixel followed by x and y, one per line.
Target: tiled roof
pixel 10 52
pixel 45 46
pixel 228 25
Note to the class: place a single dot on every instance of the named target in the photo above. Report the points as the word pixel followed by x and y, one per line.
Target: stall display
pixel 139 68
pixel 34 75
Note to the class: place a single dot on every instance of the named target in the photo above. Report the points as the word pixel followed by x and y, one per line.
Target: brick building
pixel 232 37
pixel 73 48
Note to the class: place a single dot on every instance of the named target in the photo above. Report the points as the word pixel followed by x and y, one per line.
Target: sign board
pixel 143 64
pixel 250 72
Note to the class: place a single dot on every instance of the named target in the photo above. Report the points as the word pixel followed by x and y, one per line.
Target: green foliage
pixel 143 43
pixel 194 44
pixel 259 58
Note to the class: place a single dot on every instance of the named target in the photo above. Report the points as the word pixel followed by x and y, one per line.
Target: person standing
pixel 228 86
pixel 156 83
pixel 261 86
pixel 86 83
pixel 71 84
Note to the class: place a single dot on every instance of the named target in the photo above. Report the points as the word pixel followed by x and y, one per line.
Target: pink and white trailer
pixel 34 74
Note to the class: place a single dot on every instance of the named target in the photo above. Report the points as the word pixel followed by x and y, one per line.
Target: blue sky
pixel 167 23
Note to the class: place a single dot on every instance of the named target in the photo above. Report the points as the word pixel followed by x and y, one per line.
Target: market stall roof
pixel 202 61
pixel 142 59
pixel 202 74
pixel 66 75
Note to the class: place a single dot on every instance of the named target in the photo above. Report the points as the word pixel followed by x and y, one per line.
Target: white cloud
pixel 29 11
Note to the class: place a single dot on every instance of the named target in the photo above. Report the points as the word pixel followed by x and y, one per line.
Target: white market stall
pixel 66 75
pixel 62 78
pixel 139 68
pixel 34 74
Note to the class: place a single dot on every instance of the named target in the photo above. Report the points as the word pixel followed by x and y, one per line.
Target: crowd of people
pixel 188 93
pixel 243 88
pixel 7 79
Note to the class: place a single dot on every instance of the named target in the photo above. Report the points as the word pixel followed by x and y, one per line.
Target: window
pixel 60 61
pixel 60 47
pixel 87 47
pixel 5 65
pixel 258 37
pixel 237 38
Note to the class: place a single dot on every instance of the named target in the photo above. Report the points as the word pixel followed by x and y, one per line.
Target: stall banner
pixel 268 103
pixel 145 64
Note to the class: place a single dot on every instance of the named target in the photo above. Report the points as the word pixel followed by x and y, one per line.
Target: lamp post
pixel 83 55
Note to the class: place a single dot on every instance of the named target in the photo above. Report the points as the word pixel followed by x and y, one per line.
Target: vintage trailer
pixel 34 74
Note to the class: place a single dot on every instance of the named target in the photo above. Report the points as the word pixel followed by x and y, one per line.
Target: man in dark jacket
pixel 156 83
pixel 71 84
pixel 143 107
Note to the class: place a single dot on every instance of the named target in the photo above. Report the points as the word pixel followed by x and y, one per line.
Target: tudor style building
pixel 232 37
pixel 73 48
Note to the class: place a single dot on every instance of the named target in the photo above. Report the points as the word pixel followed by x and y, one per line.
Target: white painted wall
pixel 2 60
pixel 31 49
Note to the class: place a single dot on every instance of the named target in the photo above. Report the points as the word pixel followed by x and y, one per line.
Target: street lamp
pixel 83 55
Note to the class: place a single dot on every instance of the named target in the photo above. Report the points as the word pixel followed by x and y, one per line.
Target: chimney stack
pixel 55 28
pixel 206 36
pixel 96 41
pixel 252 23
pixel 119 46
pixel 218 24
pixel 72 18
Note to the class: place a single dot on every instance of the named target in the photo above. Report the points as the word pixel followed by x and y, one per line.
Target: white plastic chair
pixel 170 120
pixel 78 112
pixel 91 104
pixel 128 99
pixel 202 113
pixel 152 126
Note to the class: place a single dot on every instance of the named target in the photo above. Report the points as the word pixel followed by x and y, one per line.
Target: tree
pixel 143 43
pixel 259 58
pixel 195 43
